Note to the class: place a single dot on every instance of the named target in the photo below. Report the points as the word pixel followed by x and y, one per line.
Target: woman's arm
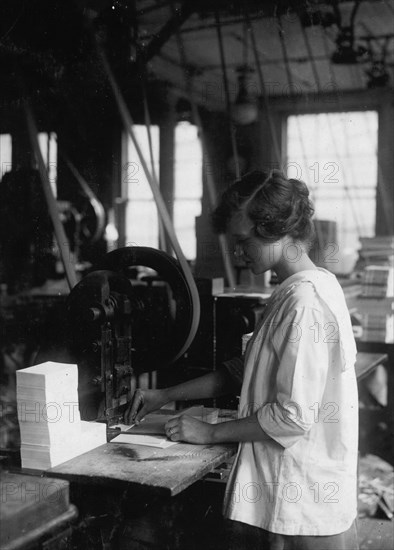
pixel 214 384
pixel 187 428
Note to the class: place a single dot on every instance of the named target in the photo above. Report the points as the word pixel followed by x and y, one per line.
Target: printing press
pixel 122 326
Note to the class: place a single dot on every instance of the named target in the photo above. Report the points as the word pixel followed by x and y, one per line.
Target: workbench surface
pixel 164 472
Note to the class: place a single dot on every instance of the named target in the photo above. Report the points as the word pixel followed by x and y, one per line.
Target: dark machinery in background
pixel 28 250
pixel 121 325
pixel 236 316
pixel 26 241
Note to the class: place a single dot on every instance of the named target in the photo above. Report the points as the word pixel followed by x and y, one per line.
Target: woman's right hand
pixel 142 403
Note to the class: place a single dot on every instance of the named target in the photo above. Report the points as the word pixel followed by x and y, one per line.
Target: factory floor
pixel 376 534
pixel 376 531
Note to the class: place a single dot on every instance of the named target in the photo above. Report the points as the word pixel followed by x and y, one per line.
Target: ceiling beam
pixel 165 33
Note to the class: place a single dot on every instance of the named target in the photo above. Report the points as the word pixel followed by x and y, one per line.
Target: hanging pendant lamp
pixel 245 109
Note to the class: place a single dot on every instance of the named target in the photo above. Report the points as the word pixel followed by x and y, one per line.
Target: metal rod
pixel 271 124
pixel 227 94
pixel 62 241
pixel 319 232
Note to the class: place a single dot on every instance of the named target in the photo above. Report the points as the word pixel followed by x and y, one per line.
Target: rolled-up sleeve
pixel 302 351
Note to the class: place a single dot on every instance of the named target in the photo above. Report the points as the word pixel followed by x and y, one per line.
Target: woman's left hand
pixel 189 429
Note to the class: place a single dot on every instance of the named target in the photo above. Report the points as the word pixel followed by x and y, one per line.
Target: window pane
pixel 185 213
pixel 137 183
pixel 141 211
pixel 5 154
pixel 188 186
pixel 336 155
pixel 188 162
pixel 142 223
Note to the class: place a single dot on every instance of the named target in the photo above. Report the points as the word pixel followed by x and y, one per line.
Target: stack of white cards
pixel 377 250
pixel 378 281
pixel 48 412
pixel 378 288
pixel 378 327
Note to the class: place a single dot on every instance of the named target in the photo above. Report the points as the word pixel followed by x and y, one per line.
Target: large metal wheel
pixel 182 318
pixel 164 312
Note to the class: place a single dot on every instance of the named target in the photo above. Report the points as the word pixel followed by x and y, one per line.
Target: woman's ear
pixel 259 229
pixel 261 226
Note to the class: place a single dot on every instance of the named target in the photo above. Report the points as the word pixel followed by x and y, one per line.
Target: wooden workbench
pixel 144 497
pixel 152 470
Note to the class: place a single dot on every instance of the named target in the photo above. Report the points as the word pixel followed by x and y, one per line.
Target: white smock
pixel 298 375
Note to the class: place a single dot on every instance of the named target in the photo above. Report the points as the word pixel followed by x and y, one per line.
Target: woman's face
pixel 258 255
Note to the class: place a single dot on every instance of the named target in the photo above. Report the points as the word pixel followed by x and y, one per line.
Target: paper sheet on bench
pixel 150 440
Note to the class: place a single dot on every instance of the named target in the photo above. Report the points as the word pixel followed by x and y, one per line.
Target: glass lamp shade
pixel 245 109
pixel 244 112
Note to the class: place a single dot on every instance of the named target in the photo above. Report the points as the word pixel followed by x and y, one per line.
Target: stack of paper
pixel 378 327
pixel 376 250
pixel 151 430
pixel 378 281
pixel 377 288
pixel 50 424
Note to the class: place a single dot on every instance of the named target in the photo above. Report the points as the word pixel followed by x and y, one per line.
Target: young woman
pixel 293 482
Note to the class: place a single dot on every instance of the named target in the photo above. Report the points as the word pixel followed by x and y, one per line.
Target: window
pixel 48 147
pixel 142 228
pixel 188 186
pixel 336 155
pixel 5 154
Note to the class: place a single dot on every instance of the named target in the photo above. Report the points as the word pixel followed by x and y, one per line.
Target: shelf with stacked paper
pixel 376 317
pixel 371 305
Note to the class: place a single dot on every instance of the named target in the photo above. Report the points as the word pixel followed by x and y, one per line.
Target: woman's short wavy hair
pixel 277 206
